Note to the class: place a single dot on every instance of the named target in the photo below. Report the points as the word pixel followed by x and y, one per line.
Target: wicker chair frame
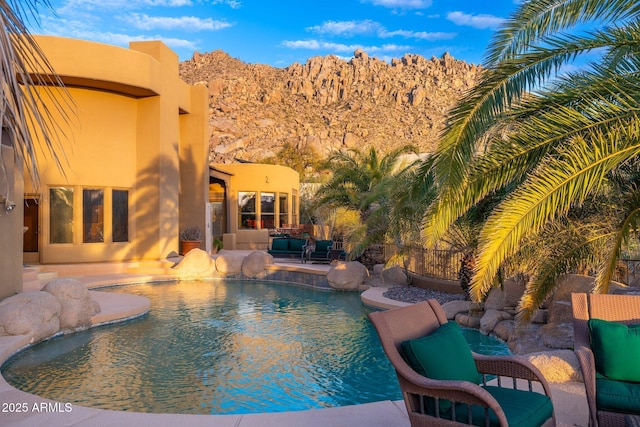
pixel 400 324
pixel 617 308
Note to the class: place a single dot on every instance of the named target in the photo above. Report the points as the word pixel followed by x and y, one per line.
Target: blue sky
pixel 281 32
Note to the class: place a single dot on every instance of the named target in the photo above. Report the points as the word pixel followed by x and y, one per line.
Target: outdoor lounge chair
pixel 608 352
pixel 452 389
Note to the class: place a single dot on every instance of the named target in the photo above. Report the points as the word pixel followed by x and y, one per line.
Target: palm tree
pixel 363 182
pixel 25 76
pixel 552 138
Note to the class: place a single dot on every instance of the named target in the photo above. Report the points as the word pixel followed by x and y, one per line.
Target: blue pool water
pixel 218 347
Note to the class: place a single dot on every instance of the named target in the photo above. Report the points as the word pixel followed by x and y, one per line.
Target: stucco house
pixel 135 169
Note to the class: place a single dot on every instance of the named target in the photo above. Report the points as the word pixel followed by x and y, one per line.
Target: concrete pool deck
pixel 18 408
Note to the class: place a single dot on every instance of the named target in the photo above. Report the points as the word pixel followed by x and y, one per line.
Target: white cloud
pixel 340 47
pixel 233 4
pixel 422 35
pixel 187 23
pixel 74 5
pixel 346 27
pixel 351 28
pixel 85 31
pixel 401 4
pixel 481 21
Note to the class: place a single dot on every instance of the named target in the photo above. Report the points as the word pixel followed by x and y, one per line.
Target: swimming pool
pixel 229 347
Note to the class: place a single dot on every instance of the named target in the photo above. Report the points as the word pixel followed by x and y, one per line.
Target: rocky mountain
pixel 326 103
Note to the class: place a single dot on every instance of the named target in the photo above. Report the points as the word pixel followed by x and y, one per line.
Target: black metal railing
pixel 436 263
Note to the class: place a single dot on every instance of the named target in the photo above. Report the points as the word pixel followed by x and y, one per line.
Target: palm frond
pixel 538 18
pixel 27 77
pixel 559 182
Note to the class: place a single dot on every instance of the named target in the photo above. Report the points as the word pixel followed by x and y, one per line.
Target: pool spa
pixel 221 347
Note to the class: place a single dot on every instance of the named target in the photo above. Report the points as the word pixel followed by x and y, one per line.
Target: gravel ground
pixel 412 294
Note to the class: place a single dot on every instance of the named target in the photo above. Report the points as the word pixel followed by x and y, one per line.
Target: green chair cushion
pixel 323 245
pixel 522 408
pixel 279 244
pixel 296 244
pixel 442 355
pixel 617 396
pixel 616 349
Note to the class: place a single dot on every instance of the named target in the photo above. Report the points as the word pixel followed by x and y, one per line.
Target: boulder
pixel 491 318
pixel 254 264
pixel 347 276
pixel 453 308
pixel 560 312
pixel 77 307
pixel 508 296
pixel 505 329
pixel 541 316
pixel 377 269
pixel 572 283
pixel 557 366
pixel 229 265
pixel 196 265
pixel 525 340
pixel 557 335
pixel 36 314
pixel 394 276
pixel 468 321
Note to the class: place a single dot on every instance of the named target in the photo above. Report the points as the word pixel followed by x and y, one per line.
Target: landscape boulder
pixel 36 314
pixel 491 318
pixel 572 283
pixel 77 307
pixel 394 276
pixel 253 266
pixel 229 265
pixel 508 296
pixel 347 276
pixel 452 308
pixel 196 265
pixel 377 269
pixel 557 335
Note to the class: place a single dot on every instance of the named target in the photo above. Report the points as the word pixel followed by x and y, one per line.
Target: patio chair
pixel 451 389
pixel 608 352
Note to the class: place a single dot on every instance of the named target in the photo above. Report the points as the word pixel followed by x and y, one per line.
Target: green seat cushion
pixel 279 244
pixel 323 245
pixel 296 244
pixel 617 396
pixel 616 349
pixel 442 355
pixel 522 408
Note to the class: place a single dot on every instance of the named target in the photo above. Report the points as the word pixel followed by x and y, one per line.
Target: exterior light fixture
pixel 8 204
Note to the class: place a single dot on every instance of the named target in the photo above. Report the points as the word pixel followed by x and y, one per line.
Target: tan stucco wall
pixel 132 122
pixel 194 173
pixel 10 225
pixel 258 178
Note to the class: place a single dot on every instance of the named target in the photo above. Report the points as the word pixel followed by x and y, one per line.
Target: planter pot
pixel 187 245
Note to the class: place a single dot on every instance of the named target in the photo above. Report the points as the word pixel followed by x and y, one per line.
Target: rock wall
pixel 327 103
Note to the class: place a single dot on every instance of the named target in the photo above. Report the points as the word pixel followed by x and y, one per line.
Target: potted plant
pixel 217 245
pixel 190 238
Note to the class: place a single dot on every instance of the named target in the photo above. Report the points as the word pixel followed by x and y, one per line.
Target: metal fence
pixel 445 264
pixel 436 263
pixel 628 272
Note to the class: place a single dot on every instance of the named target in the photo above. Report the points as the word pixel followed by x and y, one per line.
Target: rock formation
pixel 326 103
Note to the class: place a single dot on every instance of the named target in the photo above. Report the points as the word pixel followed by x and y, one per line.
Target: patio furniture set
pixel 444 383
pixel 308 250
